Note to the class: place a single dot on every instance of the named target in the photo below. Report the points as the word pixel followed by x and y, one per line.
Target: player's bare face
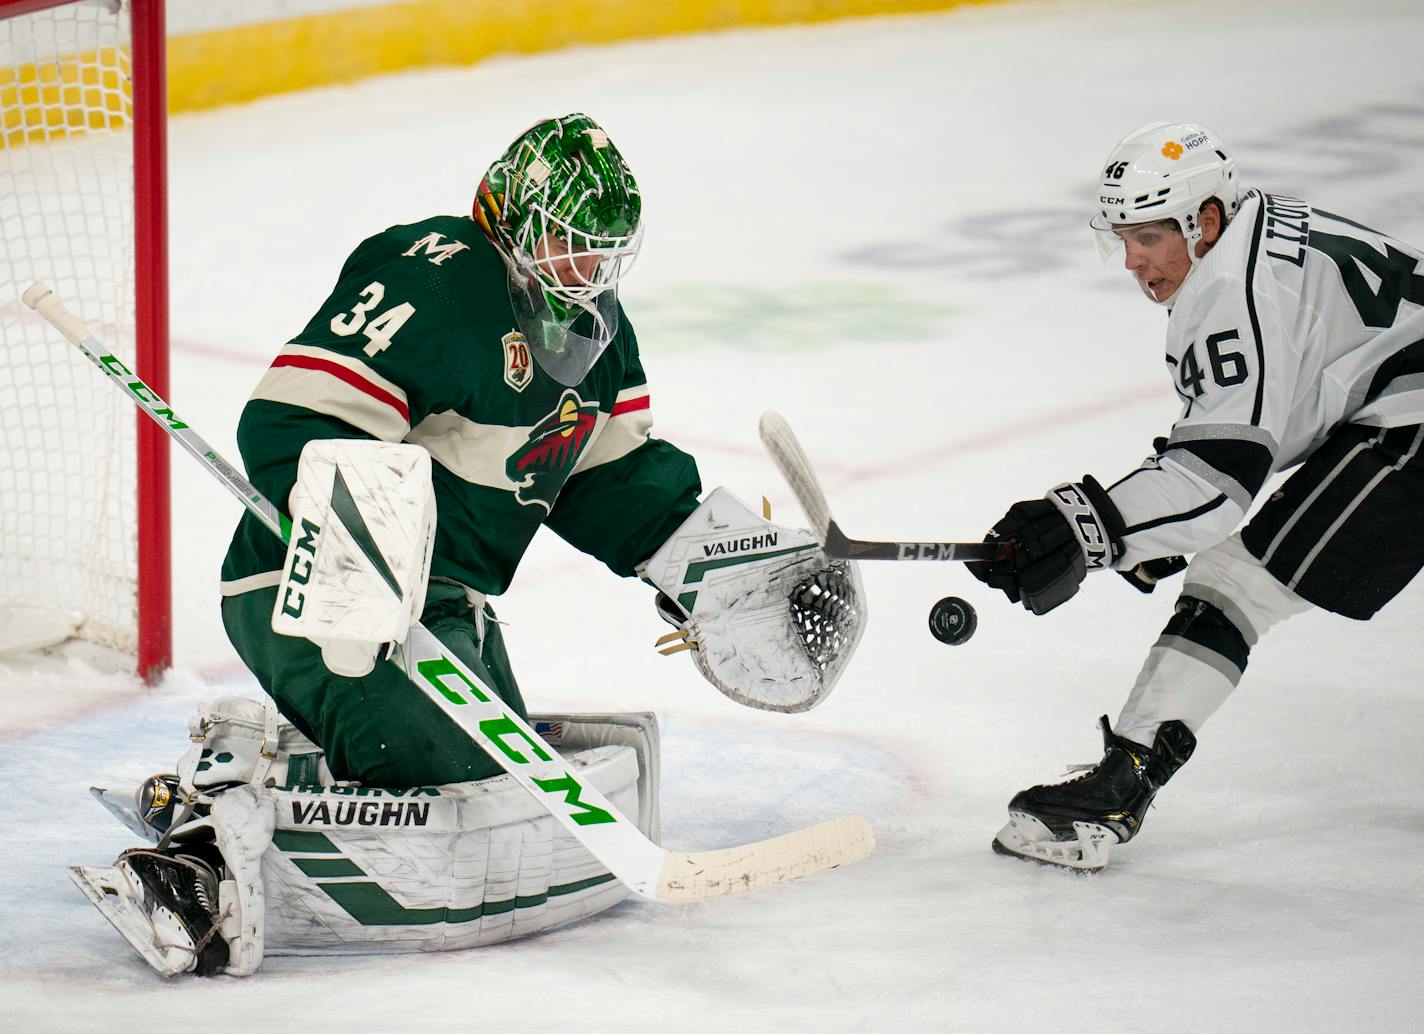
pixel 1157 257
pixel 570 268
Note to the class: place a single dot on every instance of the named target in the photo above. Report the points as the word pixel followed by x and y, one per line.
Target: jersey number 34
pixel 378 329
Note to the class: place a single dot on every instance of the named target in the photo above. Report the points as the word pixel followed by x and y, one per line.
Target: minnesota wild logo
pixel 541 465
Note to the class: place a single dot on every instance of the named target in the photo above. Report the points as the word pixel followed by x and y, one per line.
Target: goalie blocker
pixel 363 532
pixel 771 621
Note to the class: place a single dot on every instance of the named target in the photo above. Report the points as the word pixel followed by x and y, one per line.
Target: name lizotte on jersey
pixel 1288 219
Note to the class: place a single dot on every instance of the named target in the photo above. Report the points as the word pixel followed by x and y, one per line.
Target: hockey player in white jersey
pixel 1295 339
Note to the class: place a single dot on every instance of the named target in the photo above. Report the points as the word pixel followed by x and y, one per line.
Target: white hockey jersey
pixel 1296 322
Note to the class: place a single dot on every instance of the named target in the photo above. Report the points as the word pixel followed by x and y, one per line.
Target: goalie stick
pixel 647 869
pixel 790 459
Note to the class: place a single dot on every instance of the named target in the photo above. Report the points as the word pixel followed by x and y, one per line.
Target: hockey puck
pixel 953 621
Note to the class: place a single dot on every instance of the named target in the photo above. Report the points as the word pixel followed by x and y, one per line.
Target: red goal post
pixel 80 78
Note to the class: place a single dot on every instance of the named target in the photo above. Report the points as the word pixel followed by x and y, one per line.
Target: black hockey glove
pixel 1057 540
pixel 1145 576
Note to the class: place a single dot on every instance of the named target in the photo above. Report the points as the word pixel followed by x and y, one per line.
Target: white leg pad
pixel 319 868
pixel 243 820
pixel 356 870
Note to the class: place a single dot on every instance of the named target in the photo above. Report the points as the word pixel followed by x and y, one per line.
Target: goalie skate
pixel 164 905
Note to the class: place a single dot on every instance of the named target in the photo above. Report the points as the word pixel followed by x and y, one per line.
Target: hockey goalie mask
pixel 1164 171
pixel 563 208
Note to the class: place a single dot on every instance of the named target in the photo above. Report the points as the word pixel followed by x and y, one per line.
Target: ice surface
pixel 877 228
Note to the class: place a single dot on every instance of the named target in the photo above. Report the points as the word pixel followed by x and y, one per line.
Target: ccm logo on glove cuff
pixel 1094 538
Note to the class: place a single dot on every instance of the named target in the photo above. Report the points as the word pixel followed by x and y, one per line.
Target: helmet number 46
pixel 378 329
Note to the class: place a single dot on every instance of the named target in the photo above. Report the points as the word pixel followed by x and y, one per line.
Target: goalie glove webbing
pixel 825 611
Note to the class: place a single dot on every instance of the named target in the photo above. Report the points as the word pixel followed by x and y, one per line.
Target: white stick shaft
pixel 39 297
pixel 785 449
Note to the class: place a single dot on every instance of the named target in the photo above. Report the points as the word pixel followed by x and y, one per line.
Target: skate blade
pixel 120 804
pixel 118 899
pixel 1028 838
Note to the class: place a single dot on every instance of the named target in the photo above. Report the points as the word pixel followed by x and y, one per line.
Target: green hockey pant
pixel 378 730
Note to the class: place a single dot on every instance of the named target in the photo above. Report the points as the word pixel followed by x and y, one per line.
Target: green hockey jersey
pixel 418 343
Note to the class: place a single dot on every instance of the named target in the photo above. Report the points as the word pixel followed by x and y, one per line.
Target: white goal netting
pixel 68 560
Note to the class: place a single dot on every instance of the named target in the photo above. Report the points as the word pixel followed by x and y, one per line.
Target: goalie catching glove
pixel 363 531
pixel 772 622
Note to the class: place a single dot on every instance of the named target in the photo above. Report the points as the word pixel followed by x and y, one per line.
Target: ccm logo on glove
pixel 1074 505
pixel 1057 540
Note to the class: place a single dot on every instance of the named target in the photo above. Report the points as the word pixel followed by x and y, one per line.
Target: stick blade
pixel 736 870
pixel 795 467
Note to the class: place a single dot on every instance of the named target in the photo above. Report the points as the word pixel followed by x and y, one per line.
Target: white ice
pixel 877 228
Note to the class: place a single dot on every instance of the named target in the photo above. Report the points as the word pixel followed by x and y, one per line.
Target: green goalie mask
pixel 562 207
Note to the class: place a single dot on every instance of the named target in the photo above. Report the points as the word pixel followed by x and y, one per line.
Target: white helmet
pixel 1164 170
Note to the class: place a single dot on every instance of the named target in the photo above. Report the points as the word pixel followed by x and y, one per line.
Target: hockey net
pixel 70 520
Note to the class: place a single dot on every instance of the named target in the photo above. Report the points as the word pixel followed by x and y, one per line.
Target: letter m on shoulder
pixel 435 251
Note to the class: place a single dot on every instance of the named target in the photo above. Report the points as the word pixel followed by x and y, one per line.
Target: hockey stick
pixel 649 870
pixel 790 459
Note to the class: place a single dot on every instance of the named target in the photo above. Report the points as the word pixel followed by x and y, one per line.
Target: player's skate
pixel 164 903
pixel 1074 824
